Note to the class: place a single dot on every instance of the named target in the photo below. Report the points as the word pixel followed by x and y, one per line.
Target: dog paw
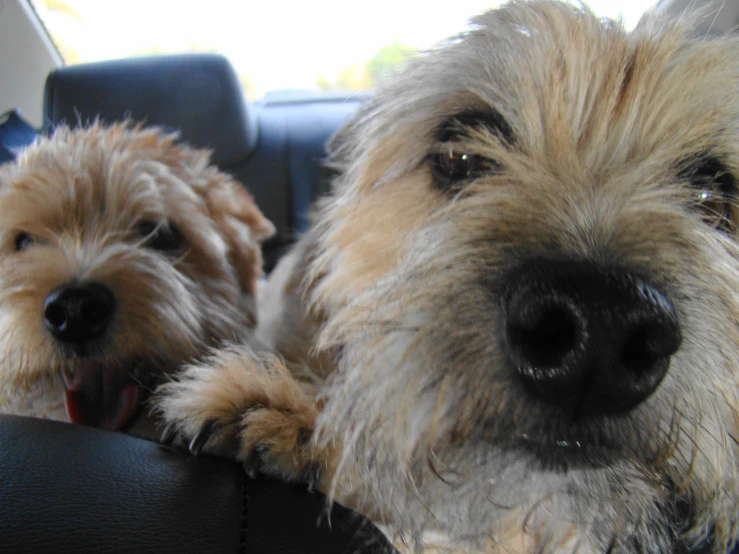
pixel 240 405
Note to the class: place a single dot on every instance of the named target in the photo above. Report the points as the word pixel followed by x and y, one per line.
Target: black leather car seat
pixel 69 488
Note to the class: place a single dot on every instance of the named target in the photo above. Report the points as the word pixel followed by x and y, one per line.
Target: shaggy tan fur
pixel 88 206
pixel 585 145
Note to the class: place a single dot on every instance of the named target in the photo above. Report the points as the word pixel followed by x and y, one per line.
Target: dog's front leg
pixel 248 406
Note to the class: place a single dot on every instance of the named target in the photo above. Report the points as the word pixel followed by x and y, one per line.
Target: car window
pixel 326 45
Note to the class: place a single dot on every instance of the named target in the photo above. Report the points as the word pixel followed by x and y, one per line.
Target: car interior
pixel 67 488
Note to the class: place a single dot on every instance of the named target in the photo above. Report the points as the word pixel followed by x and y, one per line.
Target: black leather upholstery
pixel 68 488
pixel 275 146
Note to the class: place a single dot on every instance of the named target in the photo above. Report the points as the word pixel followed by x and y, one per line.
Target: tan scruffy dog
pixel 122 254
pixel 527 272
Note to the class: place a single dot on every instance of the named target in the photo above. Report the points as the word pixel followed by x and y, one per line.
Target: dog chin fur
pixel 91 205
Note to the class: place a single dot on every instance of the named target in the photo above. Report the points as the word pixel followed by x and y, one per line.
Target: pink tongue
pixel 80 410
pixel 99 397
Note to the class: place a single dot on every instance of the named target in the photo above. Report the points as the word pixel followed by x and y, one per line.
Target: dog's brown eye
pixel 715 210
pixel 714 190
pixel 451 167
pixel 23 241
pixel 160 236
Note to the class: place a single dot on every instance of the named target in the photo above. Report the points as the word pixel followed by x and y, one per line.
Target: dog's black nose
pixel 587 339
pixel 79 312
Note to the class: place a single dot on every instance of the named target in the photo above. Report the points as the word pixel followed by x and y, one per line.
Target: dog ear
pixel 232 209
pixel 241 224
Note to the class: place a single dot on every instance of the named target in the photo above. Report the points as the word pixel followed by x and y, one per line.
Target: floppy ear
pixel 231 208
pixel 241 224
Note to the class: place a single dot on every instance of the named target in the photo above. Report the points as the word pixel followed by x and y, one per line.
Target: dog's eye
pixel 451 167
pixel 714 190
pixel 715 210
pixel 23 241
pixel 160 236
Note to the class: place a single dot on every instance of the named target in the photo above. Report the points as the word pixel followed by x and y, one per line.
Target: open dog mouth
pixel 104 394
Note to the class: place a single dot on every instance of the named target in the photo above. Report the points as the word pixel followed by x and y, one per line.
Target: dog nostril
pixel 79 312
pixel 54 315
pixel 544 338
pixel 544 332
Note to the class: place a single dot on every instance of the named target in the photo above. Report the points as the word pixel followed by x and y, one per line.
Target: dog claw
pixel 168 434
pixel 252 464
pixel 201 438
pixel 310 475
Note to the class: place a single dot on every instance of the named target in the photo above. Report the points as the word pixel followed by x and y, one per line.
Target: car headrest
pixel 198 94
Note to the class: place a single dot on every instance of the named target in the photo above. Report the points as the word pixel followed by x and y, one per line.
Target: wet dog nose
pixel 586 339
pixel 79 312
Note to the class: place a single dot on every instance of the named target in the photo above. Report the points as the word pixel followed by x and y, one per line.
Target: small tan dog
pixel 123 254
pixel 526 277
